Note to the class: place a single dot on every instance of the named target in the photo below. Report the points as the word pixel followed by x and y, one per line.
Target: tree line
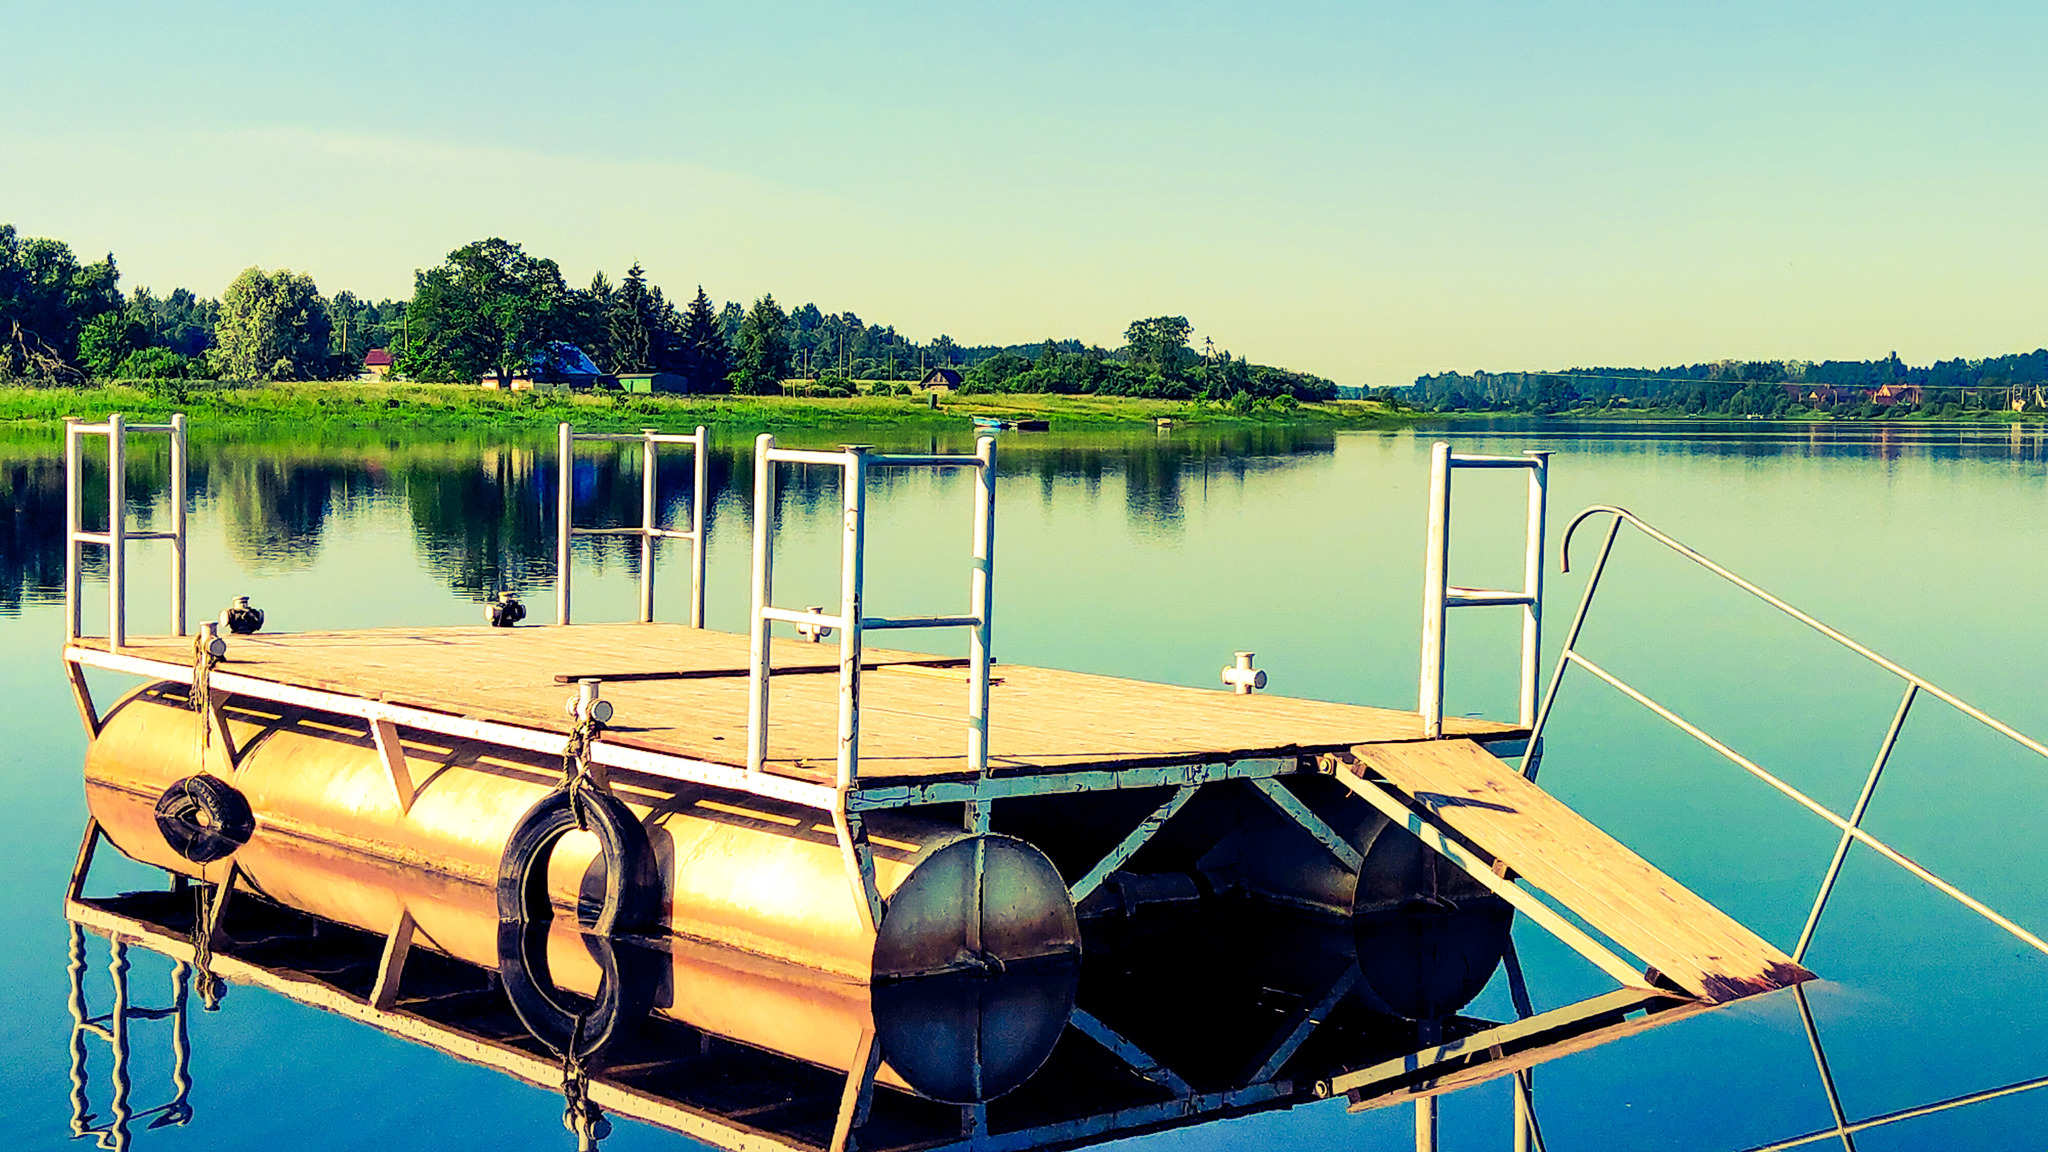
pixel 1750 387
pixel 492 310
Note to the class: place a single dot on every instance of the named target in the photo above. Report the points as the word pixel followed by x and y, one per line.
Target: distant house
pixel 558 365
pixel 653 382
pixel 1890 395
pixel 1815 394
pixel 940 380
pixel 376 366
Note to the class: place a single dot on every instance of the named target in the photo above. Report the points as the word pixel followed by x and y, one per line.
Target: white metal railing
pixel 118 535
pixel 1439 595
pixel 1851 826
pixel 650 530
pixel 854 462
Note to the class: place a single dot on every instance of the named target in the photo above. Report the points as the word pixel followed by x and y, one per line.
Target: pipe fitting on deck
pixel 814 632
pixel 1242 678
pixel 586 704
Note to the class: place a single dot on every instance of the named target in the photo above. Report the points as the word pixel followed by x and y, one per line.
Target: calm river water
pixel 1157 557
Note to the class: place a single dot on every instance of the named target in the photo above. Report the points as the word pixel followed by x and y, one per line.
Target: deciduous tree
pixel 486 310
pixel 272 326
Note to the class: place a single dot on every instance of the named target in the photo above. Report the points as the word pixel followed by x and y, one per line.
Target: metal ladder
pixel 854 461
pixel 1439 595
pixel 118 535
pixel 649 439
pixel 115 1133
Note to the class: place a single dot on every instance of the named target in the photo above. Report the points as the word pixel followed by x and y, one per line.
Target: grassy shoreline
pixel 453 406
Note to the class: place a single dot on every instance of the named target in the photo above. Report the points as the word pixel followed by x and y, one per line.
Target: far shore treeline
pixel 1764 388
pixel 493 310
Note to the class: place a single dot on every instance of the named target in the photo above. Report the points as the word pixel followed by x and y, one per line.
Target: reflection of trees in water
pixel 276 508
pixel 31 532
pixel 32 519
pixel 483 511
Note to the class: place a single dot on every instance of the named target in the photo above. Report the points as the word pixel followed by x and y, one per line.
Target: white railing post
pixel 699 489
pixel 117 531
pixel 565 499
pixel 1435 584
pixel 981 605
pixel 763 595
pixel 180 463
pixel 74 554
pixel 1532 585
pixel 850 579
pixel 647 525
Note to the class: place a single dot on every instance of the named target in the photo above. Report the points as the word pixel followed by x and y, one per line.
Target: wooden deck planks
pixel 913 726
pixel 1689 941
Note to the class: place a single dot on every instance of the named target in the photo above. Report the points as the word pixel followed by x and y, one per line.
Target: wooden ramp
pixel 1509 827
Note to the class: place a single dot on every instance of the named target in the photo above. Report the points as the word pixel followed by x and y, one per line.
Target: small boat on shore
pixel 997 424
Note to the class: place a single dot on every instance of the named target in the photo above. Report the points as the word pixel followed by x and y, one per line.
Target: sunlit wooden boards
pixel 683 691
pixel 1461 788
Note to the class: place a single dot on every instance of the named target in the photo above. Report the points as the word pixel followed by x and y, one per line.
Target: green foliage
pixel 157 364
pixel 488 309
pixel 763 349
pixel 633 324
pixel 272 326
pixel 46 299
pixel 108 339
pixel 1159 345
pixel 705 358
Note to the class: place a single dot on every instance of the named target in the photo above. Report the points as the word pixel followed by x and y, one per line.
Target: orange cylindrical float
pixel 741 872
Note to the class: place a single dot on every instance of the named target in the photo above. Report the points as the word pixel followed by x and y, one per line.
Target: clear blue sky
pixel 1368 191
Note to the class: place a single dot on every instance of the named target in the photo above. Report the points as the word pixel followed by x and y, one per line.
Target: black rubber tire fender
pixel 204 819
pixel 632 888
pixel 629 981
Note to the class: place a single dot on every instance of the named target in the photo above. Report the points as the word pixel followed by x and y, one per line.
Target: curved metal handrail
pixel 1910 677
pixel 1851 826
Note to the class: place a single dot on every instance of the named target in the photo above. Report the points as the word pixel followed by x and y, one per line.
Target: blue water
pixel 1157 558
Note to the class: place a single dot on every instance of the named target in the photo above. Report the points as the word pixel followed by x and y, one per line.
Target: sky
pixel 1365 191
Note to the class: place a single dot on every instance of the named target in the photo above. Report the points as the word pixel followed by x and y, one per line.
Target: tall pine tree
pixel 706 359
pixel 631 336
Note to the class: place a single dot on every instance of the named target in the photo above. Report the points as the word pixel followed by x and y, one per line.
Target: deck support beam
pixel 83 864
pixel 1627 974
pixel 1086 885
pixel 1306 1021
pixel 1276 795
pixel 82 693
pixel 391 966
pixel 859 858
pixel 1133 1057
pixel 859 1092
pixel 391 751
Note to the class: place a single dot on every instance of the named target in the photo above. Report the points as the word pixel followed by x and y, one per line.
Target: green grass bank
pixel 452 406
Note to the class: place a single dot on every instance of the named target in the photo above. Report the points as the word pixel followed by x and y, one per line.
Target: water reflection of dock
pixel 1292 1010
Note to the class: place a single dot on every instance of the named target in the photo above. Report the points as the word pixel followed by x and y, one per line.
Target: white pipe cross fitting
pixel 1242 677
pixel 586 704
pixel 814 632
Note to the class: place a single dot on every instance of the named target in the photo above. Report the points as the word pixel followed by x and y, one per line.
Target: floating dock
pixel 873 813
